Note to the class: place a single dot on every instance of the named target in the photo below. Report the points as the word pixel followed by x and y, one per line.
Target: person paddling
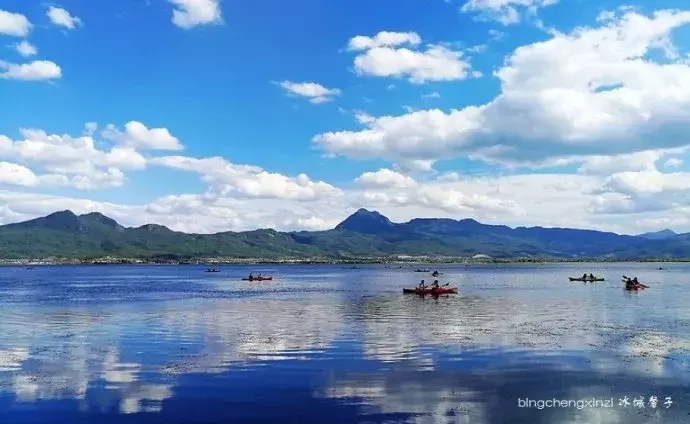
pixel 435 285
pixel 591 276
pixel 421 285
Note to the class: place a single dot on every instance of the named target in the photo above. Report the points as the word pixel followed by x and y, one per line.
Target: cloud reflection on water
pixel 138 354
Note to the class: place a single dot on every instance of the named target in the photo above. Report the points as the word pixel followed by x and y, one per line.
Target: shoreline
pixel 406 262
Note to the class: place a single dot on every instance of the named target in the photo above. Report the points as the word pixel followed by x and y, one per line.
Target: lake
pixel 332 344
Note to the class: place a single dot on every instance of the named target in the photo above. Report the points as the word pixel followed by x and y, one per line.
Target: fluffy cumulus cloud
pixel 639 161
pixel 38 70
pixel 388 188
pixel 61 17
pixel 138 136
pixel 591 92
pixel 14 24
pixel 385 178
pixel 15 174
pixel 191 13
pixel 65 161
pixel 25 48
pixel 506 12
pixel 384 39
pixel 316 93
pixel 230 180
pixel 392 54
pixel 644 192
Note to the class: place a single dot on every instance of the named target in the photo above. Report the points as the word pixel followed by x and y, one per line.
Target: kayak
pixel 258 279
pixel 423 270
pixel 441 290
pixel 635 288
pixel 586 279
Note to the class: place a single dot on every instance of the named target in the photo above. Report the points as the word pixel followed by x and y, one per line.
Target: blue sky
pixel 216 78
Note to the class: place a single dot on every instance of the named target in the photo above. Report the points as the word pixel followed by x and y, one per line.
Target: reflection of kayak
pixel 442 290
pixel 586 279
pixel 258 279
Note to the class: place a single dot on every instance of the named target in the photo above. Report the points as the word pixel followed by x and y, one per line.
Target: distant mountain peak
pixel 98 217
pixel 659 235
pixel 62 214
pixel 151 227
pixel 365 221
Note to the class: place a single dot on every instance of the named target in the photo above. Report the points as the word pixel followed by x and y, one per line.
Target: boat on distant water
pixel 212 270
pixel 258 279
pixel 436 291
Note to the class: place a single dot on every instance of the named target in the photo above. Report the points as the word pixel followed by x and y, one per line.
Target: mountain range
pixel 365 233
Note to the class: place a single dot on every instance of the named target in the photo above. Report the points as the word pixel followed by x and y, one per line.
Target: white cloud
pixel 436 63
pixel 607 165
pixel 606 16
pixel 495 35
pixel 230 180
pixel 25 48
pixel 14 24
pixel 644 192
pixel 316 93
pixel 61 17
pixel 673 163
pixel 15 174
pixel 68 161
pixel 449 176
pixel 385 178
pixel 479 48
pixel 415 165
pixel 384 39
pixel 455 201
pixel 190 13
pixel 90 128
pixel 138 136
pixel 647 182
pixel 506 12
pixel 592 92
pixel 432 95
pixel 38 70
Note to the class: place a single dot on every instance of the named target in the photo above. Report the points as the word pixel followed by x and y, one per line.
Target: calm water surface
pixel 325 344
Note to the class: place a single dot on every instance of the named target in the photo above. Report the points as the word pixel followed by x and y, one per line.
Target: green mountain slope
pixel 365 233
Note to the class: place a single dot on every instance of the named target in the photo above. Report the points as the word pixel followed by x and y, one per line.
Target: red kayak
pixel 635 288
pixel 441 290
pixel 258 279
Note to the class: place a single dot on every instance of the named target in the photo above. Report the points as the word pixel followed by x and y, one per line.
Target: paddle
pixel 626 279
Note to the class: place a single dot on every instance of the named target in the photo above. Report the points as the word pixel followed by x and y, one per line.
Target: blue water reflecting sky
pixel 332 344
